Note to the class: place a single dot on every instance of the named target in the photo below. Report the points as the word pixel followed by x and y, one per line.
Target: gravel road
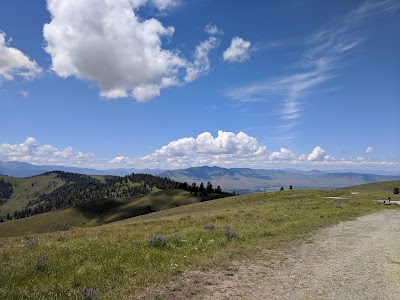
pixel 357 259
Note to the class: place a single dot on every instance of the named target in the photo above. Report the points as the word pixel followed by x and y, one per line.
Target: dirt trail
pixel 357 259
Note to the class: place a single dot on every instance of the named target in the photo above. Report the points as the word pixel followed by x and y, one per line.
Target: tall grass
pixel 120 259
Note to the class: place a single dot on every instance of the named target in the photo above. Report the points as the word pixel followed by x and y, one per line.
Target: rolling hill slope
pixel 81 200
pixel 385 186
pixel 55 190
pixel 26 189
pixel 98 212
pixel 121 259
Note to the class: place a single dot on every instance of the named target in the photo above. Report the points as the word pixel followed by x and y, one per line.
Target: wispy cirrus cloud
pixel 371 8
pixel 24 93
pixel 288 89
pixel 201 63
pixel 323 54
pixel 212 29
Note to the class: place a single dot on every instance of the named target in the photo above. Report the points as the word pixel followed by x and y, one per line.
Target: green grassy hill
pixel 385 186
pixel 120 259
pixel 25 189
pixel 98 212
pixel 57 190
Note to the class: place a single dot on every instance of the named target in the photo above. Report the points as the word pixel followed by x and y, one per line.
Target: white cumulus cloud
pixel 238 51
pixel 317 154
pixel 370 150
pixel 206 144
pixel 121 160
pixel 225 149
pixel 14 62
pixel 283 154
pixel 107 42
pixel 30 151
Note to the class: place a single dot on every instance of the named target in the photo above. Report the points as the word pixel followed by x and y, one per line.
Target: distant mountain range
pixel 22 169
pixel 244 180
pixel 241 180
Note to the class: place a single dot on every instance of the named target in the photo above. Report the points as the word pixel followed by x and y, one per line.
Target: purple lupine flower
pixel 209 226
pixel 84 290
pixel 158 240
pixel 33 243
pixel 230 234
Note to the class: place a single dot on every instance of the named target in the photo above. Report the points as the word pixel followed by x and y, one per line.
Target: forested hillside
pixel 5 190
pixel 76 189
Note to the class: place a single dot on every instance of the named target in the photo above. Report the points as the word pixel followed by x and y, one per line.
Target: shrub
pixel 158 240
pixel 396 190
pixel 41 262
pixel 177 240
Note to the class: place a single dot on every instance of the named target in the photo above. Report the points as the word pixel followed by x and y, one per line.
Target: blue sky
pixel 171 83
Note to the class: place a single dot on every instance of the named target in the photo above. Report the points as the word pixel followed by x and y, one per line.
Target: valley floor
pixel 357 259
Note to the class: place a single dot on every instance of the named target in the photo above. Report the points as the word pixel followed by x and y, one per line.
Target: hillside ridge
pixel 26 197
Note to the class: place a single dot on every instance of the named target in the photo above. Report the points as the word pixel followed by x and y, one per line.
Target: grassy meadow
pixel 98 212
pixel 120 259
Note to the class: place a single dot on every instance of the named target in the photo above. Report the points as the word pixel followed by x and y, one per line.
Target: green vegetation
pixel 44 223
pixel 5 190
pixel 55 190
pixel 79 189
pixel 120 259
pixel 60 190
pixel 100 211
pixel 104 178
pixel 26 189
pixel 385 186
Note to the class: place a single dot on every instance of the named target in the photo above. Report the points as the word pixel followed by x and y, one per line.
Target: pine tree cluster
pixel 5 190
